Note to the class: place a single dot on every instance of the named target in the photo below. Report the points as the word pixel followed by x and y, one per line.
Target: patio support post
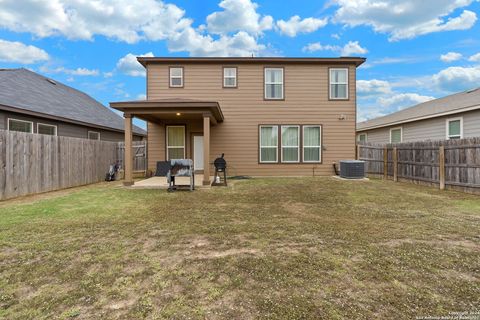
pixel 206 150
pixel 128 164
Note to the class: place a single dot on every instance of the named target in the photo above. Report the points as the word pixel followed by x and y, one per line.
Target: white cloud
pixel 475 58
pixel 72 72
pixel 84 72
pixel 373 87
pixel 451 56
pixel 238 15
pixel 351 48
pixel 21 53
pixel 132 21
pixel 406 19
pixel 454 79
pixel 403 100
pixel 240 44
pixel 317 46
pixel 124 20
pixel 130 66
pixel 296 25
pixel 369 112
pixel 142 96
pixel 388 103
pixel 390 60
pixel 378 97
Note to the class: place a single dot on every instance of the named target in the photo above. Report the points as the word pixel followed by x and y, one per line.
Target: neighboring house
pixel 270 116
pixel 32 103
pixel 452 117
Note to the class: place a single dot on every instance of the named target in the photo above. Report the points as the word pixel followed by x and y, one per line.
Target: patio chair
pixel 162 168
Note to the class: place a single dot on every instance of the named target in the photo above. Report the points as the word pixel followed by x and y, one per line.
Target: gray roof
pixel 31 92
pixel 455 103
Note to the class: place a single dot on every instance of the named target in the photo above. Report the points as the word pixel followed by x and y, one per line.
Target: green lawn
pixel 264 248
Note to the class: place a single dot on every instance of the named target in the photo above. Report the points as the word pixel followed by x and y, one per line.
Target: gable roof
pixel 25 91
pixel 455 103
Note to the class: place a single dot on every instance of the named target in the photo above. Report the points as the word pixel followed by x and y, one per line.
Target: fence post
pixel 395 164
pixel 357 152
pixel 385 163
pixel 441 166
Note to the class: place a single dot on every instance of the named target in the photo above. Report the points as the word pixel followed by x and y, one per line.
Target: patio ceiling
pixel 171 109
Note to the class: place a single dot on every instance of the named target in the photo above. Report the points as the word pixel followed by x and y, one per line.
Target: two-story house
pixel 270 116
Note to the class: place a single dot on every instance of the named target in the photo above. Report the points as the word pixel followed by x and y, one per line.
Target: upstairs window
pixel 93 135
pixel 268 144
pixel 338 83
pixel 20 125
pixel 290 144
pixel 230 77
pixel 396 135
pixel 46 129
pixel 274 83
pixel 176 77
pixel 455 128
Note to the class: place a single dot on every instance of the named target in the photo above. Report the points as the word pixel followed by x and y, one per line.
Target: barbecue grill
pixel 220 169
pixel 180 168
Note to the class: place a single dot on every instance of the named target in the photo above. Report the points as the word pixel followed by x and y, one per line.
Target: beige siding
pixel 429 129
pixel 306 102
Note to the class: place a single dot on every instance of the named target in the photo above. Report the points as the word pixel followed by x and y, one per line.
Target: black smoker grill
pixel 220 169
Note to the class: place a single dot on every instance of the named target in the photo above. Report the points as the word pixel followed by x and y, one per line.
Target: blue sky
pixel 415 50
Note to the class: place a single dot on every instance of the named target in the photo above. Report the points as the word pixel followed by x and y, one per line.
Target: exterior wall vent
pixel 352 169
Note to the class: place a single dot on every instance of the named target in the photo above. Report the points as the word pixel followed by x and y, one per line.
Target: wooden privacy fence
pixel 139 155
pixel 446 163
pixel 35 163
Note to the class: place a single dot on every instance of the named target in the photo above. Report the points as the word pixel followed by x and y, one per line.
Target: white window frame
pixel 362 134
pixel 47 125
pixel 319 146
pixel 24 121
pixel 176 147
pixel 170 77
pixel 401 134
pixel 297 146
pixel 275 127
pixel 330 83
pixel 270 83
pixel 230 77
pixel 88 135
pixel 447 127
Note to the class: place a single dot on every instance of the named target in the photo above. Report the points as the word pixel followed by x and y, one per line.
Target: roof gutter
pixel 436 115
pixel 341 60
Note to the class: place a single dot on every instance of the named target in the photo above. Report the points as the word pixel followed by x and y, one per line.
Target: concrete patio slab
pixel 161 182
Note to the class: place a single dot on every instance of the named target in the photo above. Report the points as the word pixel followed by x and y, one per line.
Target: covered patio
pixel 165 112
